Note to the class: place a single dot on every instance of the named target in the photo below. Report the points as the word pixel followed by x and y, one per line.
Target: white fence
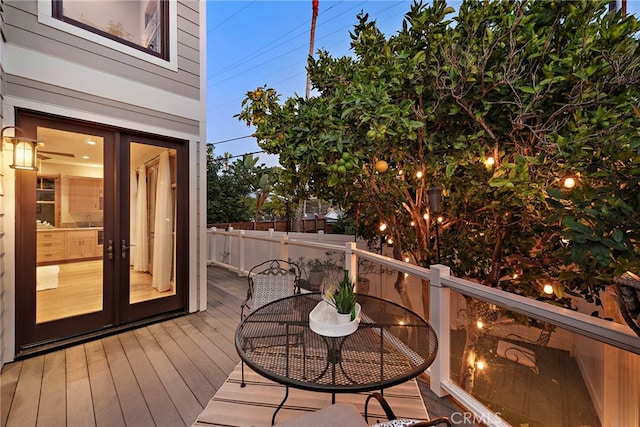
pixel 607 353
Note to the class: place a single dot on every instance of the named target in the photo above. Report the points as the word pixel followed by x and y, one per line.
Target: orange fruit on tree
pixel 381 166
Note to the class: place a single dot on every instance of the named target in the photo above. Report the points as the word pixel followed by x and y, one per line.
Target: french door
pixel 102 230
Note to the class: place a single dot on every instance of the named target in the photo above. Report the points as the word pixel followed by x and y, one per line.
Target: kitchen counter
pixel 68 228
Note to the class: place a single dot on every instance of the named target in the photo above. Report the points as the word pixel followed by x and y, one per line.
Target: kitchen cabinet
pixel 50 246
pixel 81 244
pixel 59 245
pixel 85 194
pixel 48 199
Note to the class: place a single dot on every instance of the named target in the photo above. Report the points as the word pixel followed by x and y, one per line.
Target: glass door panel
pixel 69 225
pixel 97 229
pixel 153 185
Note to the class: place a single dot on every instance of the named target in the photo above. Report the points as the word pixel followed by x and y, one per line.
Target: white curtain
pixel 141 262
pixel 133 194
pixel 163 229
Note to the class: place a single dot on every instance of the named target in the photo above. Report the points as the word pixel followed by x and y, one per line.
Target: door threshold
pixel 49 346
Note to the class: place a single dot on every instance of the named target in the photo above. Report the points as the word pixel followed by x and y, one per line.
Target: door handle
pixel 110 249
pixel 124 249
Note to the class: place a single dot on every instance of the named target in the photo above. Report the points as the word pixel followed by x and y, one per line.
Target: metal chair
pixel 267 282
pixel 392 420
pixel 346 415
pixel 510 349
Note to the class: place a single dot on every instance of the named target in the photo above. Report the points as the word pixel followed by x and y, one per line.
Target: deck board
pixel 185 402
pixel 79 399
pixel 24 408
pixel 132 402
pixel 157 399
pixel 186 336
pixel 53 396
pixel 106 405
pixel 188 371
pixel 157 375
pixel 10 376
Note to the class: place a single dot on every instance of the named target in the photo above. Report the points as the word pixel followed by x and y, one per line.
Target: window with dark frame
pixel 141 24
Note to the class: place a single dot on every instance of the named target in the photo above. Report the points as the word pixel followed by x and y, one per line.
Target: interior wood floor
pixel 79 291
pixel 158 375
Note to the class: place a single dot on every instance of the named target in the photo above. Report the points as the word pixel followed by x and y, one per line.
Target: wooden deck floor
pixel 159 375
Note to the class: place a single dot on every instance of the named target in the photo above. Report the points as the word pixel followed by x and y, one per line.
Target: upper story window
pixel 141 24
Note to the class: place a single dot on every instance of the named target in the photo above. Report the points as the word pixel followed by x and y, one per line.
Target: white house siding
pixel 24 29
pixel 3 276
pixel 58 72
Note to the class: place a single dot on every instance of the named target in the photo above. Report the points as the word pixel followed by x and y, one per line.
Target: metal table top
pixel 391 345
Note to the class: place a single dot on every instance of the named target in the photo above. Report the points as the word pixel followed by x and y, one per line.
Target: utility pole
pixel 300 210
pixel 312 37
pixel 616 5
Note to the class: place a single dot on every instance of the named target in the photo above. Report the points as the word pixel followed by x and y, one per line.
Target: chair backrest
pixel 269 281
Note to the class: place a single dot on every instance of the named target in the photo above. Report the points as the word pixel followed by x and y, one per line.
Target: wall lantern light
pixel 435 199
pixel 25 150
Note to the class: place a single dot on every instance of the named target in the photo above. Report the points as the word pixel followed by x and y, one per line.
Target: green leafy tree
pixel 497 106
pixel 229 189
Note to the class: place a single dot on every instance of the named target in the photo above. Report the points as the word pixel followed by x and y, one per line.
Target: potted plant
pixel 343 297
pixel 363 283
pixel 316 273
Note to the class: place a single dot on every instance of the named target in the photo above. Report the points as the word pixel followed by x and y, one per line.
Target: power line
pixel 223 157
pixel 230 17
pixel 321 25
pixel 229 140
pixel 263 50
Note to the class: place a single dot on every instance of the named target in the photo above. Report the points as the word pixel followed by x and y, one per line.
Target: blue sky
pixel 253 43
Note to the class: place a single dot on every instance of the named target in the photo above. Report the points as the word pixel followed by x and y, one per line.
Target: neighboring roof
pixel 333 215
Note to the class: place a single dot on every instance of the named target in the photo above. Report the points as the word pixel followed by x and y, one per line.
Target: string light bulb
pixel 480 324
pixel 419 174
pixel 548 289
pixel 481 365
pixel 383 226
pixel 413 223
pixel 489 161
pixel 569 182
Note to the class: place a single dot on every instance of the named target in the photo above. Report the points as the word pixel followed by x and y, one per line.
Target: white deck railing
pixel 606 352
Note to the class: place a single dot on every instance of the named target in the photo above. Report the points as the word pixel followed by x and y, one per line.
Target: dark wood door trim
pixel 179 301
pixel 116 308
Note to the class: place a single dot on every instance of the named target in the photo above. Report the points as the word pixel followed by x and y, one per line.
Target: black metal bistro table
pixel 391 345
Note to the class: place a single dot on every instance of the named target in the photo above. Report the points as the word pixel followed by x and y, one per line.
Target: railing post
pixel 351 261
pixel 228 248
pixel 271 244
pixel 439 308
pixel 212 245
pixel 320 235
pixel 284 248
pixel 242 250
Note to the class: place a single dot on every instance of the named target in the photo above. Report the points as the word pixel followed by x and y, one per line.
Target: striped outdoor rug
pixel 254 405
